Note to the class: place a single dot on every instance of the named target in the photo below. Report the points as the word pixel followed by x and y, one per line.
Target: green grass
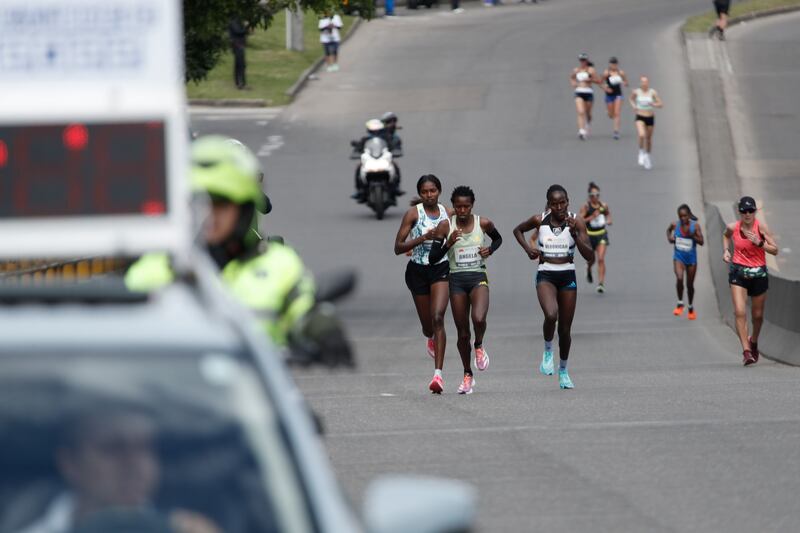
pixel 271 69
pixel 701 23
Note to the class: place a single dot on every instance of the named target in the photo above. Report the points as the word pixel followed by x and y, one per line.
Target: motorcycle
pixel 379 173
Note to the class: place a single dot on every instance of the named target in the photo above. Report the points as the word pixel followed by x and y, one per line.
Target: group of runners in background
pixel 448 253
pixel 644 100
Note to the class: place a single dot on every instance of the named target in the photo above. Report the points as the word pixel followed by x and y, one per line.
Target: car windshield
pixel 144 442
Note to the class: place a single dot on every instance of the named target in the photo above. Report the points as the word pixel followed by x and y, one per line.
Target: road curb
pixel 298 85
pixel 228 102
pixel 720 185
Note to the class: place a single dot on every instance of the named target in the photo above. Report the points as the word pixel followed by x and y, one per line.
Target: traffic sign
pixel 93 133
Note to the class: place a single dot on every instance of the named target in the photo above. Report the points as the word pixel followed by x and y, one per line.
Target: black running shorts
pixel 419 278
pixel 648 121
pixel 722 6
pixel 755 281
pixel 465 282
pixel 563 280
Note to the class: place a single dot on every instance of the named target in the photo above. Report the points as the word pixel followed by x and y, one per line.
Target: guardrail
pixel 780 334
pixel 27 271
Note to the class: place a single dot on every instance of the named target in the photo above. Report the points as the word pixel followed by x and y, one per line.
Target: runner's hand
pixel 572 222
pixel 454 236
pixel 726 256
pixel 428 235
pixel 752 237
pixel 533 254
pixel 671 239
pixel 484 252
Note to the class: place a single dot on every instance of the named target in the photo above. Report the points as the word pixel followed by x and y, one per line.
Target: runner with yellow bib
pixel 462 238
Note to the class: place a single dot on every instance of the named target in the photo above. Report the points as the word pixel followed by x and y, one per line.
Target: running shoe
pixel 481 358
pixel 648 164
pixel 431 347
pixel 589 278
pixel 693 316
pixel 616 135
pixel 563 379
pixel 641 158
pixel 437 385
pixel 721 34
pixel 601 289
pixel 747 358
pixel 466 385
pixel 754 349
pixel 546 367
pixel 678 311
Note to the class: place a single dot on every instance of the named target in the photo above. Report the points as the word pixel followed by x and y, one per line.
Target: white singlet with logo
pixel 644 100
pixel 556 243
pixel 583 76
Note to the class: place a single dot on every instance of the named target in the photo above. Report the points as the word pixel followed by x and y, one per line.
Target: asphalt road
pixel 763 75
pixel 665 431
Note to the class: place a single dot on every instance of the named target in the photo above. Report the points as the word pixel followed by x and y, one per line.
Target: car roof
pixel 173 319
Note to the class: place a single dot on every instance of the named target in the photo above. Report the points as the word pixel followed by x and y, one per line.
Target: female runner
pixel 644 101
pixel 462 239
pixel 598 217
pixel 427 281
pixel 685 235
pixel 747 276
pixel 614 79
pixel 559 232
pixel 581 79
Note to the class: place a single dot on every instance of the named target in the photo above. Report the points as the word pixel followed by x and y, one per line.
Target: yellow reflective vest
pixel 274 284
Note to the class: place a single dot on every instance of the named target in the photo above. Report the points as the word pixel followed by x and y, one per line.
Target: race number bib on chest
pixel 682 244
pixel 467 256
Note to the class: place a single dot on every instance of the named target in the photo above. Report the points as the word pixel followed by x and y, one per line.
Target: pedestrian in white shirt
pixel 329 36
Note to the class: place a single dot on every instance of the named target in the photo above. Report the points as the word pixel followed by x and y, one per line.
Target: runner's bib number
pixel 468 257
pixel 682 244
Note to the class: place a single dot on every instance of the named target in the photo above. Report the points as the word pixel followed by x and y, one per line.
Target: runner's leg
pixel 548 300
pixel 739 297
pixel 423 304
pixel 480 308
pixel 691 271
pixel 617 113
pixel 440 292
pixel 641 133
pixel 580 109
pixel 649 139
pixel 679 269
pixel 459 304
pixel 566 312
pixel 757 314
pixel 601 263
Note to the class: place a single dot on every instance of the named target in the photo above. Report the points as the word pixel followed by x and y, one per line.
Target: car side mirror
pixel 399 504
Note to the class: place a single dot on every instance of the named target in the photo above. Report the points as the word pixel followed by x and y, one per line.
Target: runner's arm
pixel 439 247
pixel 490 230
pixel 698 235
pixel 726 242
pixel 532 223
pixel 572 79
pixel 582 240
pixel 401 245
pixel 768 243
pixel 671 233
pixel 608 215
pixel 624 77
pixel 657 100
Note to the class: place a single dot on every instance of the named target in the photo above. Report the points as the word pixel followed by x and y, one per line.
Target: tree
pixel 206 24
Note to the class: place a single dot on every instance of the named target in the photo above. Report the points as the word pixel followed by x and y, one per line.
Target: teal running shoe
pixel 563 379
pixel 546 367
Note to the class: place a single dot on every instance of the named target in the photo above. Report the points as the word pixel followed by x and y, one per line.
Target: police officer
pixel 269 278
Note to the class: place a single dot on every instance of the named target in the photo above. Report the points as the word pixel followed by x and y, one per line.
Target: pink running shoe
pixel 481 358
pixel 466 385
pixel 437 385
pixel 431 349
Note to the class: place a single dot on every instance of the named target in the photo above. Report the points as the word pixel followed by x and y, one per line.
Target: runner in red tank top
pixel 751 240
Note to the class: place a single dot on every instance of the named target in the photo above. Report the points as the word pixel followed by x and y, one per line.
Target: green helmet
pixel 226 169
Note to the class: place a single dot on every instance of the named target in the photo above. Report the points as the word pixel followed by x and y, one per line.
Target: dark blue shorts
pixel 562 280
pixel 331 49
pixel 610 98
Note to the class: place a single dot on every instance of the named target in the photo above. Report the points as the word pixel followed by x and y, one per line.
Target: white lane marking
pixel 387 395
pixel 274 142
pixel 262 122
pixel 711 55
pixel 786 250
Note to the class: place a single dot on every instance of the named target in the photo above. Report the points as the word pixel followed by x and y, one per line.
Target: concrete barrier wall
pixel 780 335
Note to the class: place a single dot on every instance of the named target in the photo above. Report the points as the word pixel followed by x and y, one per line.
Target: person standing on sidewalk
pixel 329 36
pixel 644 101
pixel 237 31
pixel 722 7
pixel 747 276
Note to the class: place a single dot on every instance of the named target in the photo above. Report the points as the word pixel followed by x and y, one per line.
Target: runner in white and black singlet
pixel 559 233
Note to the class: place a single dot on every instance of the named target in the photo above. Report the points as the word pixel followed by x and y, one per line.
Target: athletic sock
pixel 478 345
pixel 562 364
pixel 468 372
pixel 437 372
pixel 548 346
pixel 680 303
pixel 691 308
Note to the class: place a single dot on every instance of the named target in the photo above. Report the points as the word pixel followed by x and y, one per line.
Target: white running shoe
pixel 641 158
pixel 647 163
pixel 582 134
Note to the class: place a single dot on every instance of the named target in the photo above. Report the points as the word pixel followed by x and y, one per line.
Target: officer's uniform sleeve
pixel 151 272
